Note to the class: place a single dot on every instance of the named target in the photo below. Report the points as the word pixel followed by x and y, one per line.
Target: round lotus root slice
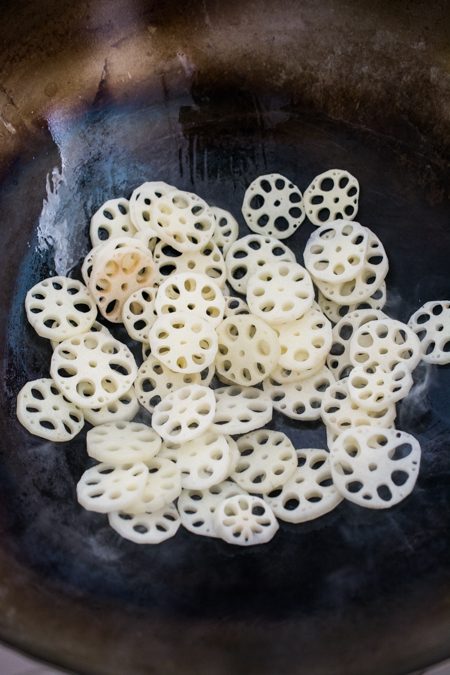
pixel 248 254
pixel 280 292
pixel 162 487
pixel 244 520
pixel 241 409
pixel 197 507
pixel 300 400
pixel 139 313
pixel 123 409
pixel 183 220
pixel 141 200
pixel 59 308
pixel 339 413
pixel 309 493
pixel 234 306
pixel 123 443
pixel 385 343
pixel 44 411
pixel 285 376
pixel 267 460
pixel 108 245
pixel 273 205
pixel 227 228
pixel 147 528
pixel 184 342
pixel 107 487
pixel 304 342
pixel 431 323
pixel 111 220
pixel 203 462
pixel 373 389
pixel 93 369
pixel 147 237
pixel 375 468
pixel 336 252
pixel 338 360
pixel 209 260
pixel 332 195
pixel 336 312
pixel 248 349
pixel 188 292
pixel 184 414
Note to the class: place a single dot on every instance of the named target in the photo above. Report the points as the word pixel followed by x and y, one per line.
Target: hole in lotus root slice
pixel 248 254
pixel 273 206
pixel 108 487
pixel 335 252
pixel 280 292
pixel 227 229
pixel 59 308
pixel 147 528
pixel 123 443
pixel 183 220
pixel 304 342
pixel 155 381
pixel 332 195
pixel 244 520
pixel 248 349
pixel 375 468
pixel 184 342
pixel 93 369
pixel 112 220
pixel 208 260
pixel 300 400
pixel 339 413
pixel 44 411
pixel 139 313
pixel 235 306
pixel 241 409
pixel 431 323
pixel 184 414
pixel 197 507
pixel 373 389
pixel 338 360
pixel 268 460
pixel 285 375
pixel 309 493
pixel 96 327
pixel 189 292
pixel 336 312
pixel 123 409
pixel 385 343
pixel 141 200
pixel 162 487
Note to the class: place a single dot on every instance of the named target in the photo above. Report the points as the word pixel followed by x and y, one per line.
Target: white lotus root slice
pixel 339 413
pixel 112 220
pixel 93 369
pixel 331 195
pixel 273 205
pixel 162 487
pixel 285 375
pixel 123 409
pixel 59 308
pixel 245 521
pixel 96 327
pixel 365 282
pixel 183 220
pixel 141 200
pixel 139 313
pixel 184 342
pixel 376 468
pixel 197 507
pixel 280 292
pixel 267 461
pixel 431 323
pixel 336 312
pixel 385 343
pixel 44 411
pixel 248 349
pixel 374 389
pixel 248 254
pixel 184 414
pixel 300 400
pixel 241 409
pixel 227 228
pixel 107 487
pixel 304 342
pixel 189 292
pixel 123 443
pixel 309 493
pixel 234 306
pixel 108 245
pixel 147 528
pixel 335 252
pixel 338 360
pixel 209 260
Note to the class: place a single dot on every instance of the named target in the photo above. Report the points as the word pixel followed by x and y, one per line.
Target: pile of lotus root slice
pixel 309 340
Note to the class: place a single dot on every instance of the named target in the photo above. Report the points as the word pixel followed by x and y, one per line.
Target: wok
pixel 98 96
